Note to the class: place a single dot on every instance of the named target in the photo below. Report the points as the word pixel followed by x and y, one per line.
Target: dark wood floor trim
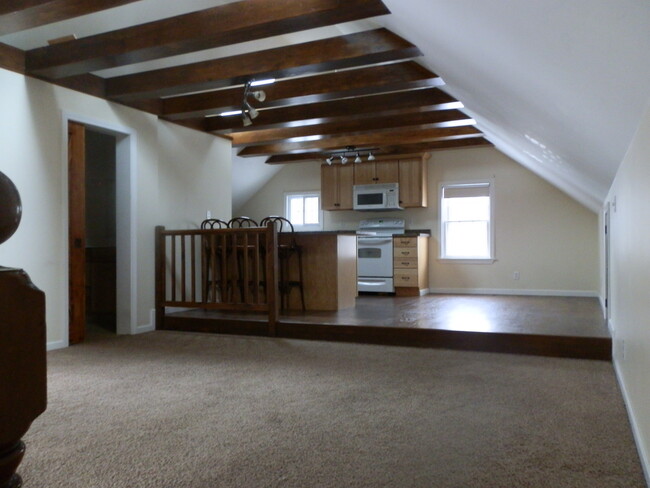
pixel 598 348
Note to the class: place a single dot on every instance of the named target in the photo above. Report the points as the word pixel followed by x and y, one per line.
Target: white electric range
pixel 375 253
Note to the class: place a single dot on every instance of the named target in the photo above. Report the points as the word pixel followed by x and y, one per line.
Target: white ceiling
pixel 558 85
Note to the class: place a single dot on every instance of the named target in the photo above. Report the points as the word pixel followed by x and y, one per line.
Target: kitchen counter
pixel 414 233
pixel 329 262
pixel 324 232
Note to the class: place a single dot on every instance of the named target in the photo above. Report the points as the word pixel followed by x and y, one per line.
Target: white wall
pixel 166 159
pixel 551 239
pixel 629 201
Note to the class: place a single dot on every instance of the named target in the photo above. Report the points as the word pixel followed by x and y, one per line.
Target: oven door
pixel 375 257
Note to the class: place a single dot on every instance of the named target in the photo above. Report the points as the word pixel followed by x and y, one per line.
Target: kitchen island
pixel 329 261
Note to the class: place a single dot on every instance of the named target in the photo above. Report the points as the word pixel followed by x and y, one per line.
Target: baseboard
pixel 151 326
pixel 51 346
pixel 502 291
pixel 644 455
pixel 602 305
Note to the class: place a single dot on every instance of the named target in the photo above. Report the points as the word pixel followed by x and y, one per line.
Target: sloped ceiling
pixel 559 86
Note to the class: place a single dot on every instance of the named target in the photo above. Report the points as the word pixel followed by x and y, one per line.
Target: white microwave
pixel 383 196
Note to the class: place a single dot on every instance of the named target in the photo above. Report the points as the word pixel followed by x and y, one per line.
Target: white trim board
pixel 51 346
pixel 502 291
pixel 151 326
pixel 644 456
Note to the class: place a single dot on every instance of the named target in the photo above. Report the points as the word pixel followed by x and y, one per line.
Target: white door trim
pixel 126 193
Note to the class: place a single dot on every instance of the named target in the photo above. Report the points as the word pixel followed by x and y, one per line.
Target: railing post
pixel 160 277
pixel 272 277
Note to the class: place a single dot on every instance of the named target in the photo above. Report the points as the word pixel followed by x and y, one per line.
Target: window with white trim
pixel 466 227
pixel 303 210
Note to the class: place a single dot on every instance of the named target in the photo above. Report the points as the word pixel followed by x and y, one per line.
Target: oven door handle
pixel 368 282
pixel 373 241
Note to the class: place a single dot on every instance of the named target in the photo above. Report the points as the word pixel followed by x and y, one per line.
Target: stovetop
pixel 381 227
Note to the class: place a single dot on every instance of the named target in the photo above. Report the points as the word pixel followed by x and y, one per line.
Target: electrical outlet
pixel 515 275
pixel 208 215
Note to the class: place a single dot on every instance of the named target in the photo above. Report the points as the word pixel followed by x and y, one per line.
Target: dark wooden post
pixel 160 277
pixel 272 277
pixel 22 348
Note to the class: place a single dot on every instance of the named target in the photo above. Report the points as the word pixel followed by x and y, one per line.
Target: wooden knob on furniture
pixel 10 208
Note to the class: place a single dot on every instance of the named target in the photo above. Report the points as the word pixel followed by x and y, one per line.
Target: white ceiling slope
pixel 557 85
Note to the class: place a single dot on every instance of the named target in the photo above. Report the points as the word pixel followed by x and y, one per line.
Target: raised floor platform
pixel 544 326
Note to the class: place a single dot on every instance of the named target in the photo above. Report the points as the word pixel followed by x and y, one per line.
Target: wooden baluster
pixel 224 269
pixel 183 269
pixel 234 265
pixel 246 277
pixel 193 263
pixel 173 268
pixel 213 265
pixel 256 269
pixel 160 277
pixel 272 277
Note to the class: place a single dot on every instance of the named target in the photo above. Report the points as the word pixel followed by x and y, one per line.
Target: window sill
pixel 466 261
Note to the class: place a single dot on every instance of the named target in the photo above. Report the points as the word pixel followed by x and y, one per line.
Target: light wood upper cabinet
pixel 413 182
pixel 410 172
pixel 336 186
pixel 376 172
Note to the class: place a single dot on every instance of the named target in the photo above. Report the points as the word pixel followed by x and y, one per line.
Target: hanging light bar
pixel 349 152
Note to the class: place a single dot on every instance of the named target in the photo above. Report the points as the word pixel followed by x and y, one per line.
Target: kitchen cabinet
pixel 336 186
pixel 374 172
pixel 413 182
pixel 411 265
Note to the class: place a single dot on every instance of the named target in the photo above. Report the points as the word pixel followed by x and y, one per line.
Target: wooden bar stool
pixel 246 255
pixel 285 254
pixel 213 274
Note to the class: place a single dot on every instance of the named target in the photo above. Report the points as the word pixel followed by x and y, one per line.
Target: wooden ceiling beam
pixel 299 91
pixel 206 29
pixel 386 152
pixel 460 143
pixel 372 139
pixel 12 58
pixel 18 15
pixel 332 111
pixel 421 120
pixel 364 48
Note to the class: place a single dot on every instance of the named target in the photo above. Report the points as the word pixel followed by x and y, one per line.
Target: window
pixel 303 210
pixel 466 228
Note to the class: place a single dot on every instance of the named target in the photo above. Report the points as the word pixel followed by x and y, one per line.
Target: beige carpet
pixel 176 410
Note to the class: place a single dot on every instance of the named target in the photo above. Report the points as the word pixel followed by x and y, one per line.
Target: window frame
pixel 442 257
pixel 306 193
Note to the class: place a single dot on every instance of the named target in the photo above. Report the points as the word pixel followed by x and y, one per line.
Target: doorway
pixel 101 238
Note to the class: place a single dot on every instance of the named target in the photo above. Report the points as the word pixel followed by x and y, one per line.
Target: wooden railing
pixel 218 269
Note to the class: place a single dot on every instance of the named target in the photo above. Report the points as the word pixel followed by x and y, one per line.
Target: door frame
pixel 607 231
pixel 126 224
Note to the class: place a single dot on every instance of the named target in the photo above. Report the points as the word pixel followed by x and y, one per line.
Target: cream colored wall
pixel 549 238
pixel 32 137
pixel 629 201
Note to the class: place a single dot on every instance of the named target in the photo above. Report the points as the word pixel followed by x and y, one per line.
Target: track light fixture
pixel 349 152
pixel 248 112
